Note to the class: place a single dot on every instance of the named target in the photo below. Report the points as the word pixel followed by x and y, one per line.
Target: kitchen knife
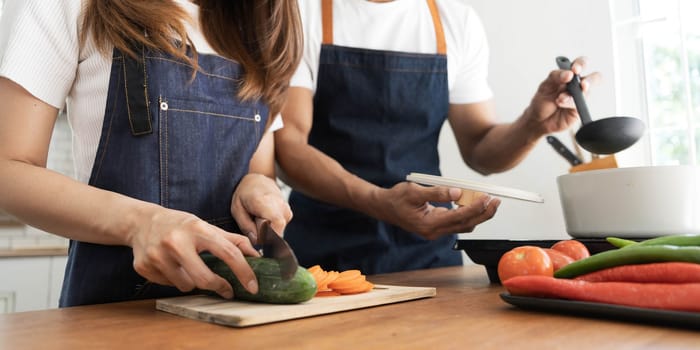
pixel 563 150
pixel 273 246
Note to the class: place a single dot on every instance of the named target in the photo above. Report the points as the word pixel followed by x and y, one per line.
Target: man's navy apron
pixel 166 139
pixel 379 114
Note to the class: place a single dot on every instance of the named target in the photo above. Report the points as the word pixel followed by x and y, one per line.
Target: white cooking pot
pixel 636 202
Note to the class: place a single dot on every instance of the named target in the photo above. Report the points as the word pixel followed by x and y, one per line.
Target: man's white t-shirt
pixel 39 50
pixel 404 26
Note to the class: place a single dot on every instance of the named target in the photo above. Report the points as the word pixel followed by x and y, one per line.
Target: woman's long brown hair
pixel 264 36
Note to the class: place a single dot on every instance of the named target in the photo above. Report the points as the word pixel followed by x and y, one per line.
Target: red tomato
pixel 558 258
pixel 572 248
pixel 524 260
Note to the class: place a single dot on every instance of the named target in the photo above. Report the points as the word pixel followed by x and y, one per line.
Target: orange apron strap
pixel 327 20
pixel 439 32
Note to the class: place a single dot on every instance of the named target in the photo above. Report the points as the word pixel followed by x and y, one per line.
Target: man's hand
pixel 407 205
pixel 552 109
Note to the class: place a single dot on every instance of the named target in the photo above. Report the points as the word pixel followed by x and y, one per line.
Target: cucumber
pixel 271 288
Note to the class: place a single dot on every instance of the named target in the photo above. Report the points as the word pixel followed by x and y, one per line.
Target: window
pixel 657 49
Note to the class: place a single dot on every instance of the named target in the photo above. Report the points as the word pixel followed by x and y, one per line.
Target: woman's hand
pixel 167 246
pixel 258 196
pixel 552 109
pixel 407 205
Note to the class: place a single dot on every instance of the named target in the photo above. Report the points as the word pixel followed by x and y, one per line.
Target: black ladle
pixel 603 136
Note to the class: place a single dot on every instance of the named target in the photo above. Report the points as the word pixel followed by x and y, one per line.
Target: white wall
pixel 525 37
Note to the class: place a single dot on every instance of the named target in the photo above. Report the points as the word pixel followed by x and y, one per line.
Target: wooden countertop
pixel 33 252
pixel 467 313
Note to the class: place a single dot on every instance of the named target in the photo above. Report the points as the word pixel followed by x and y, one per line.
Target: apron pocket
pixel 205 149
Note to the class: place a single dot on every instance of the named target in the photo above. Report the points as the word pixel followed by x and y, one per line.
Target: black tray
pixel 487 252
pixel 607 311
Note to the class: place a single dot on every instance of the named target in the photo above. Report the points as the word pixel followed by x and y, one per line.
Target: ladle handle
pixel 574 88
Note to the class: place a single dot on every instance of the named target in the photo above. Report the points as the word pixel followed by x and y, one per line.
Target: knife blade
pixel 563 150
pixel 275 247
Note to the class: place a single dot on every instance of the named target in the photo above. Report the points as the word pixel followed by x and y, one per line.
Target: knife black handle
pixel 563 150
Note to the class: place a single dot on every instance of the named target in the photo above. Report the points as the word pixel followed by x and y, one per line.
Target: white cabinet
pixel 58 269
pixel 30 283
pixel 7 302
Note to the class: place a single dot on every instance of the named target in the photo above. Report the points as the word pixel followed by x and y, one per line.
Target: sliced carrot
pixel 349 274
pixel 314 268
pixel 365 286
pixel 329 283
pixel 319 275
pixel 330 277
pixel 340 284
pixel 344 276
pixel 327 293
pixel 357 284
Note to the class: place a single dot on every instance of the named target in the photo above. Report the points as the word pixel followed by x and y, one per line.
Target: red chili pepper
pixel 668 296
pixel 663 272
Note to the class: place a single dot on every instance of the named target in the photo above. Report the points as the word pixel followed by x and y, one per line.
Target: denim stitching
pixel 145 90
pixel 126 95
pixel 164 153
pixel 257 128
pixel 213 114
pixel 145 85
pixel 98 163
pixel 190 66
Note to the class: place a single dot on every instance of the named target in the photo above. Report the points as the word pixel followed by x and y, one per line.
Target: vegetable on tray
pixel 525 260
pixel 534 260
pixel 620 242
pixel 663 272
pixel 558 258
pixel 668 296
pixel 573 248
pixel 630 255
pixel 658 273
pixel 677 240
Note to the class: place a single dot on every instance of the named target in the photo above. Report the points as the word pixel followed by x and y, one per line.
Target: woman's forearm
pixel 60 205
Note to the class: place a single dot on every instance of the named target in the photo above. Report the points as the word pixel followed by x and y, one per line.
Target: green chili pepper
pixel 634 254
pixel 619 242
pixel 678 240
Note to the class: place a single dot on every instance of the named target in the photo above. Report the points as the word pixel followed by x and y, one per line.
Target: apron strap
pixel 439 32
pixel 135 84
pixel 327 20
pixel 327 25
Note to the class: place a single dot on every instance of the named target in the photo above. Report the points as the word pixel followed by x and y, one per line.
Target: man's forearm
pixel 504 146
pixel 313 173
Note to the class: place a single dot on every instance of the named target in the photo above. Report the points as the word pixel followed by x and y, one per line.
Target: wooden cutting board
pixel 243 314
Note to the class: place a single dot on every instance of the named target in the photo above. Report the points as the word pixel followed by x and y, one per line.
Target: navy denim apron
pixel 379 114
pixel 168 139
